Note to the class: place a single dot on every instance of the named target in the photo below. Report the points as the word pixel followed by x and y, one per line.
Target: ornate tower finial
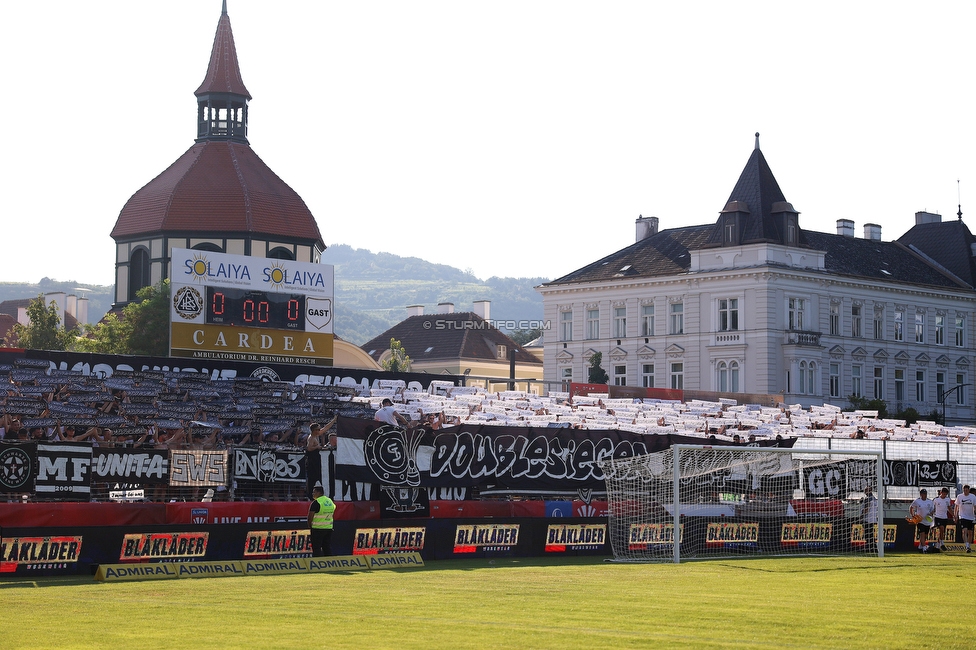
pixel 959 196
pixel 757 139
pixel 223 10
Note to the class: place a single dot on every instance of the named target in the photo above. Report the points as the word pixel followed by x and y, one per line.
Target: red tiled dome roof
pixel 218 186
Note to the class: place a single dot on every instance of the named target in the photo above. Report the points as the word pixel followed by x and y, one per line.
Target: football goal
pixel 694 501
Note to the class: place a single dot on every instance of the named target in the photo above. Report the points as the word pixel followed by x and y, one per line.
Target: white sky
pixel 512 138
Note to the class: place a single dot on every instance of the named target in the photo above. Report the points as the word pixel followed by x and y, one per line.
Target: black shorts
pixel 966 524
pixel 922 528
pixel 940 522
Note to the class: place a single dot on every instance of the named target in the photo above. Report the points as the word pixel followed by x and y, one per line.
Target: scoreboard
pixel 245 308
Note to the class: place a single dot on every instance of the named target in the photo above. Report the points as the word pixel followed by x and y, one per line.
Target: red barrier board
pixel 480 509
pixel 41 515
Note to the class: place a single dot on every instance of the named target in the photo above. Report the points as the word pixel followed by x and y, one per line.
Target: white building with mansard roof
pixel 752 303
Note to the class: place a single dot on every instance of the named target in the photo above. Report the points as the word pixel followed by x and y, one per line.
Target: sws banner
pixel 198 468
pixel 504 457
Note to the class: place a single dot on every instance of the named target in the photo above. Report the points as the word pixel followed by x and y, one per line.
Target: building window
pixel 677 318
pixel 728 376
pixel 620 375
pixel 796 313
pixel 138 272
pixel 939 329
pixel 940 378
pixel 647 320
pixel 801 383
pixel 592 323
pixel 566 326
pixel 960 331
pixel 856 389
pixel 647 375
pixel 805 378
pixel 620 322
pixel 878 382
pixel 899 385
pixel 919 386
pixel 879 324
pixel 856 321
pixel 919 327
pixel 567 374
pixel 899 324
pixel 728 314
pixel 835 320
pixel 960 393
pixel 502 351
pixel 678 376
pixel 835 380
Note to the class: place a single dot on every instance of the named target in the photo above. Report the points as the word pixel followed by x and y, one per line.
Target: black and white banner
pixel 130 465
pixel 828 481
pixel 63 471
pixel 269 466
pixel 920 473
pixel 17 467
pixel 198 468
pixel 503 457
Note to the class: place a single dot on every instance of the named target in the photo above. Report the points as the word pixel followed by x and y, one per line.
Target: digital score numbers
pixel 238 307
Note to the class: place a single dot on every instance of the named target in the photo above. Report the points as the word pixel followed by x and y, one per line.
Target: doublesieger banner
pixel 505 457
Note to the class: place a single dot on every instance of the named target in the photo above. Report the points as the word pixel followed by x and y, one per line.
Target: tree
pixel 597 374
pixel 148 321
pixel 111 336
pixel 398 361
pixel 44 330
pixel 525 336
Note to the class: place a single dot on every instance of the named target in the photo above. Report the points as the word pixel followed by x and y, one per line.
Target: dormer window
pixel 502 351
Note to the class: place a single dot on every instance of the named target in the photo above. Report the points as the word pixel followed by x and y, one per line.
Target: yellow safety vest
pixel 324 517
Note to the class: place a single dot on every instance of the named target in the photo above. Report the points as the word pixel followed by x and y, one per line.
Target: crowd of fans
pixel 171 410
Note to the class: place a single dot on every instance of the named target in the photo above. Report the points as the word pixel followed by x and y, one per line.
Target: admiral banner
pixel 732 535
pixel 130 465
pixel 372 541
pixel 919 473
pixel 17 467
pixel 35 553
pixel 806 535
pixel 644 537
pixel 575 537
pixel 163 546
pixel 63 471
pixel 261 544
pixel 198 468
pixel 471 455
pixel 269 466
pixel 490 537
pixel 245 308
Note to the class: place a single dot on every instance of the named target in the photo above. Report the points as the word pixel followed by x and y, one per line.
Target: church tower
pixel 218 196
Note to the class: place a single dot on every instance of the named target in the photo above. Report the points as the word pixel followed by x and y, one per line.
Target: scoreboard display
pixel 243 308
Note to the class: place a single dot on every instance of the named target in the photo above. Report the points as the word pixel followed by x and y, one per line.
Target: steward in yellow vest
pixel 320 520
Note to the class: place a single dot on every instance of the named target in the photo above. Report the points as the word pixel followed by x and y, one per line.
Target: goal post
pixel 700 501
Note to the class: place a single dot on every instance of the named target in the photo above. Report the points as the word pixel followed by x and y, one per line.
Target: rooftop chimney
pixel 646 227
pixel 845 227
pixel 415 310
pixel 927 217
pixel 445 308
pixel 872 231
pixel 482 308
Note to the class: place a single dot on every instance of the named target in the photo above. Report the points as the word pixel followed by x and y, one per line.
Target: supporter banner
pixel 63 471
pixel 252 465
pixel 198 468
pixel 503 457
pixel 130 465
pixel 371 541
pixel 38 553
pixel 920 473
pixel 397 502
pixel 825 480
pixel 163 546
pixel 17 467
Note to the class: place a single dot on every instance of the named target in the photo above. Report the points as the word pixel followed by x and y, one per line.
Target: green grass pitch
pixel 902 601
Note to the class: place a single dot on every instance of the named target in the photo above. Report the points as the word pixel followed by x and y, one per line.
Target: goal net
pixel 743 501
